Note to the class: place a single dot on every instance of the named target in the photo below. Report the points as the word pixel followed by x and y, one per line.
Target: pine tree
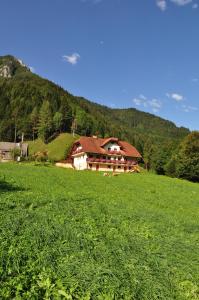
pixel 66 112
pixel 45 122
pixel 34 117
pixel 57 121
pixel 147 154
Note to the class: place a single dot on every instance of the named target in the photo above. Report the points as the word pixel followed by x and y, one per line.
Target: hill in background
pixel 56 149
pixel 23 93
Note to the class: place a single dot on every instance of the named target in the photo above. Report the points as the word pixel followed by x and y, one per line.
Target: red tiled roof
pixel 95 145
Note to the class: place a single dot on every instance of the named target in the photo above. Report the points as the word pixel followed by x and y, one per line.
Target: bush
pixel 185 164
pixel 41 156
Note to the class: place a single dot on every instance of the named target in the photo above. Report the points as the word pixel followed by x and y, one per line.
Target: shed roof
pixel 6 146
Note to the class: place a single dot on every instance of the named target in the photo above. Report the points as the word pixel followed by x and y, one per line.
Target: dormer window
pixel 109 149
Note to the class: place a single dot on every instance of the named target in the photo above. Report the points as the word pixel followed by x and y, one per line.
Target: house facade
pixel 97 154
pixel 7 149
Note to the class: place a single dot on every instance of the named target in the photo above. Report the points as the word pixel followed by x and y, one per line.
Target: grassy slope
pixel 57 149
pixel 79 233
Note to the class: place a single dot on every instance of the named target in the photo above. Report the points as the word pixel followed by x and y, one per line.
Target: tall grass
pixel 79 235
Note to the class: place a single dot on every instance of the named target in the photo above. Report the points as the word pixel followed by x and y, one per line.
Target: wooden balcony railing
pixel 111 161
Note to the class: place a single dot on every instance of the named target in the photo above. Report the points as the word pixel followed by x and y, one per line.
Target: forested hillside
pixel 35 106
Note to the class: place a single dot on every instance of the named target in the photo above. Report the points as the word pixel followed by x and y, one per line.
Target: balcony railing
pixel 111 161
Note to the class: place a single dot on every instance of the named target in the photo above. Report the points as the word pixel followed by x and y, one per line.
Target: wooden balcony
pixel 112 162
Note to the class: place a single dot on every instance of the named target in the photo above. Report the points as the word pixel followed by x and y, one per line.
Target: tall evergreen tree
pixel 57 121
pixel 66 112
pixel 45 121
pixel 34 117
pixel 147 154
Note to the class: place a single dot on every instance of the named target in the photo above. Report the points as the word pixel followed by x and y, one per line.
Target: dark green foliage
pixel 57 121
pixel 34 119
pixel 148 150
pixel 185 163
pixel 66 112
pixel 79 235
pixel 171 166
pixel 161 155
pixel 45 124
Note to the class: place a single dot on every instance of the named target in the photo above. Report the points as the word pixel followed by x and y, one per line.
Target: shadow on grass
pixel 8 187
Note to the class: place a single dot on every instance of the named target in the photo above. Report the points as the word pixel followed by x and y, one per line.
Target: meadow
pixel 66 234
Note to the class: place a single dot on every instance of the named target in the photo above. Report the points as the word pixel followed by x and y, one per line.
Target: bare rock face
pixel 6 71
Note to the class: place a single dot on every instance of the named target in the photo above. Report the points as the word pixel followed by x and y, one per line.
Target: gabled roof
pixel 95 145
pixel 111 139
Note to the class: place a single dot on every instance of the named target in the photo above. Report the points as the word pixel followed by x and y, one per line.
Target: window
pixel 109 167
pixel 130 168
pixel 115 149
pixel 109 149
pixel 90 165
pixel 119 167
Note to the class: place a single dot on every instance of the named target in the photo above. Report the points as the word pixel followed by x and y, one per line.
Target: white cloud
pixel 72 59
pixel 142 97
pixel 162 4
pixel 175 96
pixel 154 104
pixel 181 2
pixel 32 69
pixel 188 108
pixel 139 102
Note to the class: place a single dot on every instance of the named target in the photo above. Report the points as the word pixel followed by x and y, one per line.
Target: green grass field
pixel 56 149
pixel 66 234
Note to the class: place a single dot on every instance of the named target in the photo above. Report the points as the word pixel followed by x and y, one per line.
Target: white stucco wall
pixel 113 146
pixel 80 162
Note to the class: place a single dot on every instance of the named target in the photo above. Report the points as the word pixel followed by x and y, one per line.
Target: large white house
pixel 97 154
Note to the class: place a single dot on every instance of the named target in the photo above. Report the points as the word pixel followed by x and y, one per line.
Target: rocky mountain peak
pixel 6 71
pixel 9 65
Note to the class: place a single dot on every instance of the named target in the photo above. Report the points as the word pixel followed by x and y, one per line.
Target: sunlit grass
pixel 79 235
pixel 56 149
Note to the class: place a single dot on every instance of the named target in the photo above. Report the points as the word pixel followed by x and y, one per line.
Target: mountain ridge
pixel 23 91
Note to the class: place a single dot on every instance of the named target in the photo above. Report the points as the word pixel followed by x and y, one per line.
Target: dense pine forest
pixel 37 107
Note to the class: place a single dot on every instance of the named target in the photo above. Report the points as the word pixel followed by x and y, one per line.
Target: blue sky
pixel 120 53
